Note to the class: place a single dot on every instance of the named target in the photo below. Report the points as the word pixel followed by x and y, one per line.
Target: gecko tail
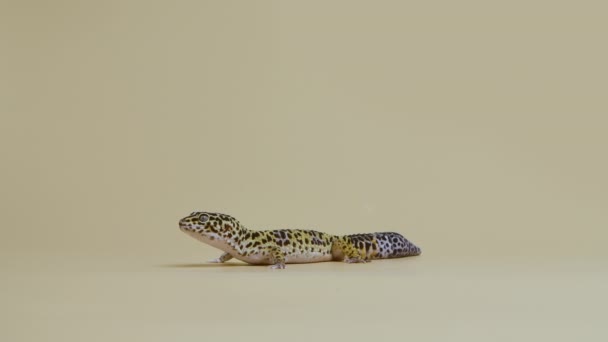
pixel 385 245
pixel 394 245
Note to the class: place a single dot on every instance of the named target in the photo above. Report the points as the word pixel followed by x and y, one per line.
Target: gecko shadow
pixel 206 265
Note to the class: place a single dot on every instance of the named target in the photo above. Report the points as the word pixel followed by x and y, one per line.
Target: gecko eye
pixel 203 218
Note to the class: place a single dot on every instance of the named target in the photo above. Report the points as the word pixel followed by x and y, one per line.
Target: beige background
pixel 475 128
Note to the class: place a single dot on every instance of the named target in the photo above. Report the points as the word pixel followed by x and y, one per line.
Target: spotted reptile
pixel 290 246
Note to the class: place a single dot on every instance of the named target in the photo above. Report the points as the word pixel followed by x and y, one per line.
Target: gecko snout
pixel 185 224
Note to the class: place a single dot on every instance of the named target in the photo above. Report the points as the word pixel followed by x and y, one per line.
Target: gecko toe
pixel 356 261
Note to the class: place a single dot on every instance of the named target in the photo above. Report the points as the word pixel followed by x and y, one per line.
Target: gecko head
pixel 209 225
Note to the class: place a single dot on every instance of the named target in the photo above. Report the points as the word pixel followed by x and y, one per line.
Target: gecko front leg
pixel 222 259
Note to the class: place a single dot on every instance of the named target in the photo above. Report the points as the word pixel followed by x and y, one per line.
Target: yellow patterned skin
pixel 288 246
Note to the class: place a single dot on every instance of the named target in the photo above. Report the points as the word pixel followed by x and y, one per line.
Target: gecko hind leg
pixel 351 254
pixel 277 258
pixel 222 259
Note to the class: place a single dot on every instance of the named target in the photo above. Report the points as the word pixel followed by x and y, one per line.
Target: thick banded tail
pixel 383 245
pixel 394 245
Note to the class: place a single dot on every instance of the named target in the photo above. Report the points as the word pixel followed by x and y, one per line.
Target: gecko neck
pixel 238 229
pixel 232 238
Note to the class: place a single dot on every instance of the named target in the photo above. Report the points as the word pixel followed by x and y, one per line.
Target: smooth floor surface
pixel 477 129
pixel 421 298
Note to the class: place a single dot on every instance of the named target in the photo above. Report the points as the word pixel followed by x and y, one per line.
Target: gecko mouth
pixel 185 226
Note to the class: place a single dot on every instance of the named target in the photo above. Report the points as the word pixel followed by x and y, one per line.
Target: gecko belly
pixel 307 257
pixel 290 258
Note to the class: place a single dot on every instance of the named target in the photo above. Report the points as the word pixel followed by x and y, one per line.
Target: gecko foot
pixel 222 259
pixel 355 261
pixel 277 266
